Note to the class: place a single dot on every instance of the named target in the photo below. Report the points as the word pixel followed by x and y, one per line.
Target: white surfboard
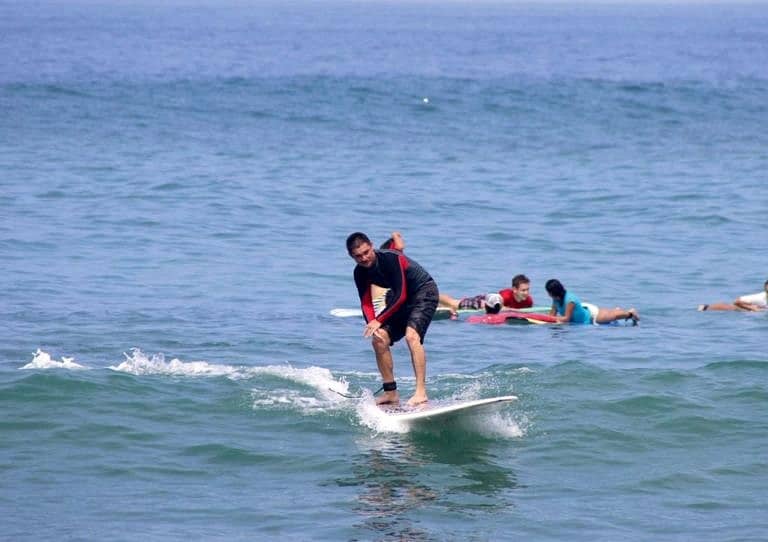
pixel 440 411
pixel 346 313
pixel 442 313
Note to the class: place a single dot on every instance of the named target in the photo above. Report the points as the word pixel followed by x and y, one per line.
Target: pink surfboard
pixel 508 317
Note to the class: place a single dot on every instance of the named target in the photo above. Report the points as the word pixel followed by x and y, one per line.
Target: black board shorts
pixel 474 302
pixel 416 313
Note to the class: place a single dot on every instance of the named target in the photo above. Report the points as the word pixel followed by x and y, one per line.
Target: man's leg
pixel 605 316
pixel 719 307
pixel 386 366
pixel 419 360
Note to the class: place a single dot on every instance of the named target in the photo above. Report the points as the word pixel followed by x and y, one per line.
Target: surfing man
pixel 567 308
pixel 516 297
pixel 751 303
pixel 411 303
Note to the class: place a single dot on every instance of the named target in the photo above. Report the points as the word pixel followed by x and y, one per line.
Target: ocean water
pixel 177 180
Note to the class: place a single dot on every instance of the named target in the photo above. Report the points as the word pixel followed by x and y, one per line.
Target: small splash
pixel 138 363
pixel 500 424
pixel 493 423
pixel 319 378
pixel 471 391
pixel 319 390
pixel 43 360
pixel 373 417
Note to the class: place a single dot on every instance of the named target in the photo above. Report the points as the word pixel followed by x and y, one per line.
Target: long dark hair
pixel 555 289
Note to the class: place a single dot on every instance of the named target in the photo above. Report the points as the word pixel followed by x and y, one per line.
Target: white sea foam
pixel 498 424
pixel 138 363
pixel 471 391
pixel 491 423
pixel 318 378
pixel 43 360
pixel 374 418
pixel 319 391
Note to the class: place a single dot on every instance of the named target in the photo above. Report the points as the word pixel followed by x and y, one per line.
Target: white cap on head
pixel 492 300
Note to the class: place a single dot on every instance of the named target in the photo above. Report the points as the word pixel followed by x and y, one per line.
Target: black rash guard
pixel 393 270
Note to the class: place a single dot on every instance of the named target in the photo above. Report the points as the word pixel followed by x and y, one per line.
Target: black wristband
pixel 389 386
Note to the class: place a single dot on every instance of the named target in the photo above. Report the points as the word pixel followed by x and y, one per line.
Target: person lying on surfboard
pixel 494 315
pixel 516 297
pixel 411 303
pixel 751 303
pixel 567 308
pixel 493 303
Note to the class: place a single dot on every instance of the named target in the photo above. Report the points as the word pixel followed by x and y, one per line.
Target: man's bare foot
pixel 417 400
pixel 633 314
pixel 388 398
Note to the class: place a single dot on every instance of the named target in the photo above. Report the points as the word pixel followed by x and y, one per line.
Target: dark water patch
pixel 668 378
pixel 641 88
pixel 714 220
pixel 47 388
pixel 168 187
pixel 629 440
pixel 738 366
pixel 57 90
pixel 107 435
pixel 749 395
pixel 678 481
pixel 226 455
pixel 583 377
pixel 701 427
pixel 708 506
pixel 646 405
pixel 52 195
pixel 26 425
pixel 172 472
pixel 115 471
pixel 746 470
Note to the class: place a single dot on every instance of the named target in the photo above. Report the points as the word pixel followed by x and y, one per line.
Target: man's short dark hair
pixel 356 239
pixel 517 280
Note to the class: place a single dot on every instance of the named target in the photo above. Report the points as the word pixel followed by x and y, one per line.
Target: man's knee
pixel 380 341
pixel 412 336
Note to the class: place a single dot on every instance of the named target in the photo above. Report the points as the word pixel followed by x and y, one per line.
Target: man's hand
pixel 372 328
pixel 397 241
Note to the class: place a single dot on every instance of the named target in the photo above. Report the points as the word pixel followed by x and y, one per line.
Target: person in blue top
pixel 567 308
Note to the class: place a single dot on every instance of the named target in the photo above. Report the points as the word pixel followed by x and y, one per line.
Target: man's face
pixel 522 291
pixel 364 255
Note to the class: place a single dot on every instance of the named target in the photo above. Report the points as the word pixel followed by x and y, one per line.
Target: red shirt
pixel 510 301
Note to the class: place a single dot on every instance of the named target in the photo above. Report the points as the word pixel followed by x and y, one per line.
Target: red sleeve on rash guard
pixel 364 292
pixel 366 303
